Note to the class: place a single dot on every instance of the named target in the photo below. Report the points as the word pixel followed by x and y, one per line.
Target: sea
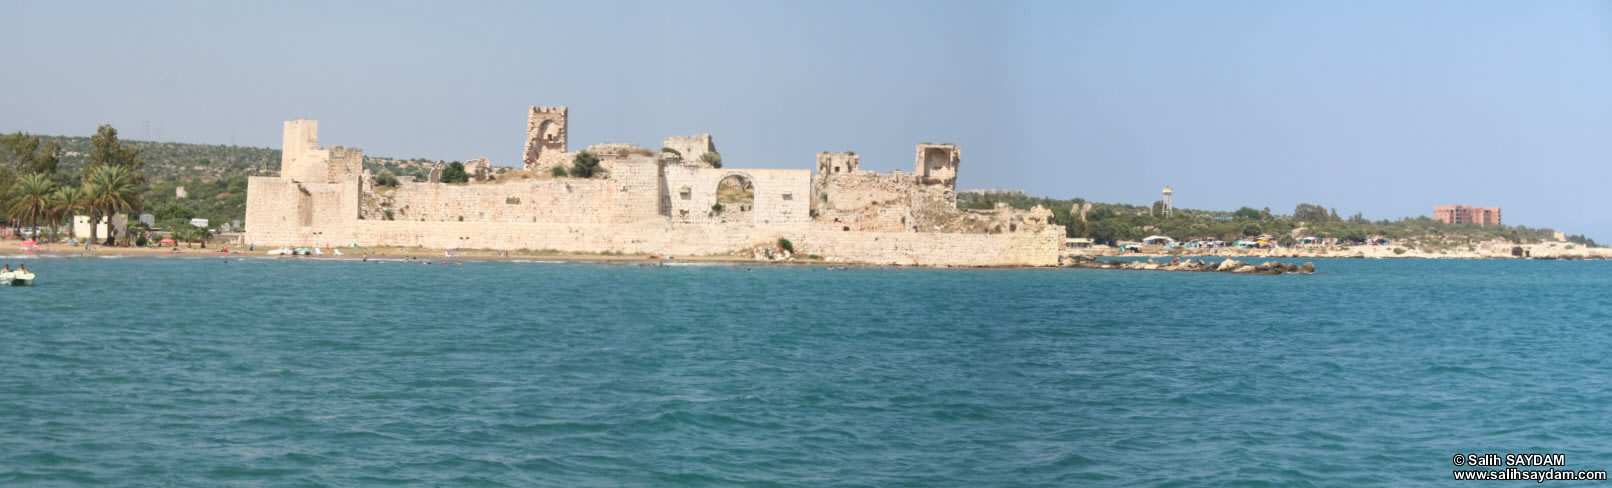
pixel 252 371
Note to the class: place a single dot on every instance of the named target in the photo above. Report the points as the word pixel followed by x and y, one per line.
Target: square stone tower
pixel 545 134
pixel 690 147
pixel 299 145
pixel 937 165
pixel 301 158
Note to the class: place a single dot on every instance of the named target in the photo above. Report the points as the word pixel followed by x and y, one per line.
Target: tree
pixel 66 202
pixel 711 158
pixel 386 178
pixel 29 200
pixel 1311 213
pixel 24 152
pixel 1252 229
pixel 110 189
pixel 558 171
pixel 455 173
pixel 173 211
pixel 586 165
pixel 1246 213
pixel 105 150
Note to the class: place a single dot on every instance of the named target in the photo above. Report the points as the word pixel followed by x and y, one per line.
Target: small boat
pixel 17 278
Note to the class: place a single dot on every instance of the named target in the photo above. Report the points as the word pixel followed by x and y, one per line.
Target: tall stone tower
pixel 298 143
pixel 1169 208
pixel 301 158
pixel 545 134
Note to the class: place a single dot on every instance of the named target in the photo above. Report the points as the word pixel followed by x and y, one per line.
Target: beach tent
pixel 1158 240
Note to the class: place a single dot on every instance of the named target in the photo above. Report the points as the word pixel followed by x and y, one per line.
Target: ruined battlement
pixel 690 148
pixel 936 165
pixel 545 136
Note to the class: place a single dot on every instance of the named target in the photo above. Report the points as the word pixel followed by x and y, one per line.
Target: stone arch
pixel 736 194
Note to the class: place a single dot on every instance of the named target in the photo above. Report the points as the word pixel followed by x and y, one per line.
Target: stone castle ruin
pixel 664 202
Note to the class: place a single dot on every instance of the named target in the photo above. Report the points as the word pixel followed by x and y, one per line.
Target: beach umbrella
pixel 28 243
pixel 166 241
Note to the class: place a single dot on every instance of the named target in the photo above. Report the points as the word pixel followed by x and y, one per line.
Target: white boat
pixel 17 278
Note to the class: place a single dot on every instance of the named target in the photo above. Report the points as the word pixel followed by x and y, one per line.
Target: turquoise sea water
pixel 260 372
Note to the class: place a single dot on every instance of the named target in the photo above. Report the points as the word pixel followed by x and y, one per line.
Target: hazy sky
pixel 1387 108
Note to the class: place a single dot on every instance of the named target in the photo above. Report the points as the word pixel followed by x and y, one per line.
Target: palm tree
pixel 109 190
pixel 67 200
pixel 29 200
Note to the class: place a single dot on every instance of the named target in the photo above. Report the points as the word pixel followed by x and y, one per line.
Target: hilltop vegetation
pixel 1109 223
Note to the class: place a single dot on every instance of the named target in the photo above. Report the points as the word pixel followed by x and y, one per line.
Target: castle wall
pixel 630 193
pixel 782 196
pixel 286 212
pixel 1039 248
pixel 646 204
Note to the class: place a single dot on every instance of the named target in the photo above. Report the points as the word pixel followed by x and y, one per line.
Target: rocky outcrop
pixel 1227 266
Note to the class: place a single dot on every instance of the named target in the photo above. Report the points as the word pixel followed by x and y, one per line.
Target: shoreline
pixel 13 247
pixel 1497 251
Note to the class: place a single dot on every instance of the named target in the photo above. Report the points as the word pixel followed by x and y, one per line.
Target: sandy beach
pixel 14 247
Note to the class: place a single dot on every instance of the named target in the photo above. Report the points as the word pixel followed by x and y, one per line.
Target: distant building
pixel 180 193
pixel 1463 214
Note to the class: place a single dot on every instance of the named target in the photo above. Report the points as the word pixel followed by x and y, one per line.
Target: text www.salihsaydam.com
pixel 1536 475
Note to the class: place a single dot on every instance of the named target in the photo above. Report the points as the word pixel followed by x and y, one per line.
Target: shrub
pixel 716 207
pixel 141 241
pixel 670 150
pixel 786 245
pixel 586 165
pixel 455 173
pixel 1399 250
pixel 386 178
pixel 711 158
pixel 559 172
pixel 388 213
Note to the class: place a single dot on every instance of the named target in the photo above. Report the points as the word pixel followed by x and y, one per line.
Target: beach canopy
pixel 166 241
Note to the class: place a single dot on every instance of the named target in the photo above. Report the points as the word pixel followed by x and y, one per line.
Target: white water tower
pixel 1168 207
